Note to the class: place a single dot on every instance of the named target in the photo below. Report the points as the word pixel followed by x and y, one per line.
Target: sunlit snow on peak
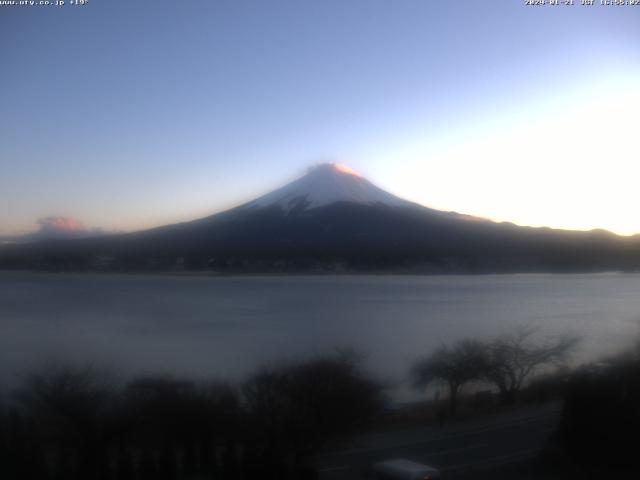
pixel 325 184
pixel 333 167
pixel 345 169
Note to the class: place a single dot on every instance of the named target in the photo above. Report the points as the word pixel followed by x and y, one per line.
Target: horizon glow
pixel 569 164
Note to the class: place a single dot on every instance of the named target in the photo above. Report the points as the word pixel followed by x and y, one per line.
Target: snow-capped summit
pixel 332 219
pixel 325 184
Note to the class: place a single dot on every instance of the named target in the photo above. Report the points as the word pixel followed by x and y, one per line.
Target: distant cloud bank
pixel 60 227
pixel 56 228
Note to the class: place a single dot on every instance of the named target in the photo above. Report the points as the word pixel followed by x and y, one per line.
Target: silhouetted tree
pixel 512 358
pixel 600 420
pixel 67 406
pixel 75 423
pixel 454 366
pixel 295 409
pixel 174 417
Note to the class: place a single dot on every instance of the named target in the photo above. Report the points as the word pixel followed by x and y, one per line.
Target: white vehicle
pixel 401 469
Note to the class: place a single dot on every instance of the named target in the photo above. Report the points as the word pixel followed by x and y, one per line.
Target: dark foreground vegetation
pixel 598 432
pixel 81 423
pixel 71 423
pixel 597 435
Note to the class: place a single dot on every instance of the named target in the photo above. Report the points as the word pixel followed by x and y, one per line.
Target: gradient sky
pixel 130 114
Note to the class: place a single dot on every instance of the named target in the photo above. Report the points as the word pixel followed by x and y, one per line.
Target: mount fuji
pixel 333 183
pixel 323 185
pixel 333 219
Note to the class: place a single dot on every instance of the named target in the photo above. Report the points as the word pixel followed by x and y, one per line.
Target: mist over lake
pixel 224 327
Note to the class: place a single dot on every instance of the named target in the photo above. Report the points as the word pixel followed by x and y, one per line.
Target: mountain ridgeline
pixel 333 220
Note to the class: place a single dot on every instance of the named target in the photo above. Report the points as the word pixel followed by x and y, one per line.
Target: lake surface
pixel 223 327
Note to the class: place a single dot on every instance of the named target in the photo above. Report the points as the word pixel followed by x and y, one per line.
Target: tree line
pixel 77 423
pixel 506 362
pixel 81 423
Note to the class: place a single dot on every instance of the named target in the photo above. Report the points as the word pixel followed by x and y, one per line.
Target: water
pixel 223 327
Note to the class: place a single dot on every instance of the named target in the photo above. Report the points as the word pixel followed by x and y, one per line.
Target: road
pixel 460 450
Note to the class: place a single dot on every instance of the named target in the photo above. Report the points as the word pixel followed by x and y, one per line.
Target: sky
pixel 131 114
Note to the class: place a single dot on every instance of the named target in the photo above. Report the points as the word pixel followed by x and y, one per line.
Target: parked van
pixel 401 469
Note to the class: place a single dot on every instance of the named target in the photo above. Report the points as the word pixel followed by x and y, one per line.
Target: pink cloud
pixel 61 225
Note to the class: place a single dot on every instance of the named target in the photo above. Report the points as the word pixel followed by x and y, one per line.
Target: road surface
pixel 463 449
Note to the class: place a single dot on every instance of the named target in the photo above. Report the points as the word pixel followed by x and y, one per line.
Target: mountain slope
pixel 333 219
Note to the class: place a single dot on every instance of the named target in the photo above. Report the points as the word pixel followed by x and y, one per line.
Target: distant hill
pixel 334 220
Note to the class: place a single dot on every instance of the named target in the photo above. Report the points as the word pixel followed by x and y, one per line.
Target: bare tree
pixel 454 366
pixel 512 358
